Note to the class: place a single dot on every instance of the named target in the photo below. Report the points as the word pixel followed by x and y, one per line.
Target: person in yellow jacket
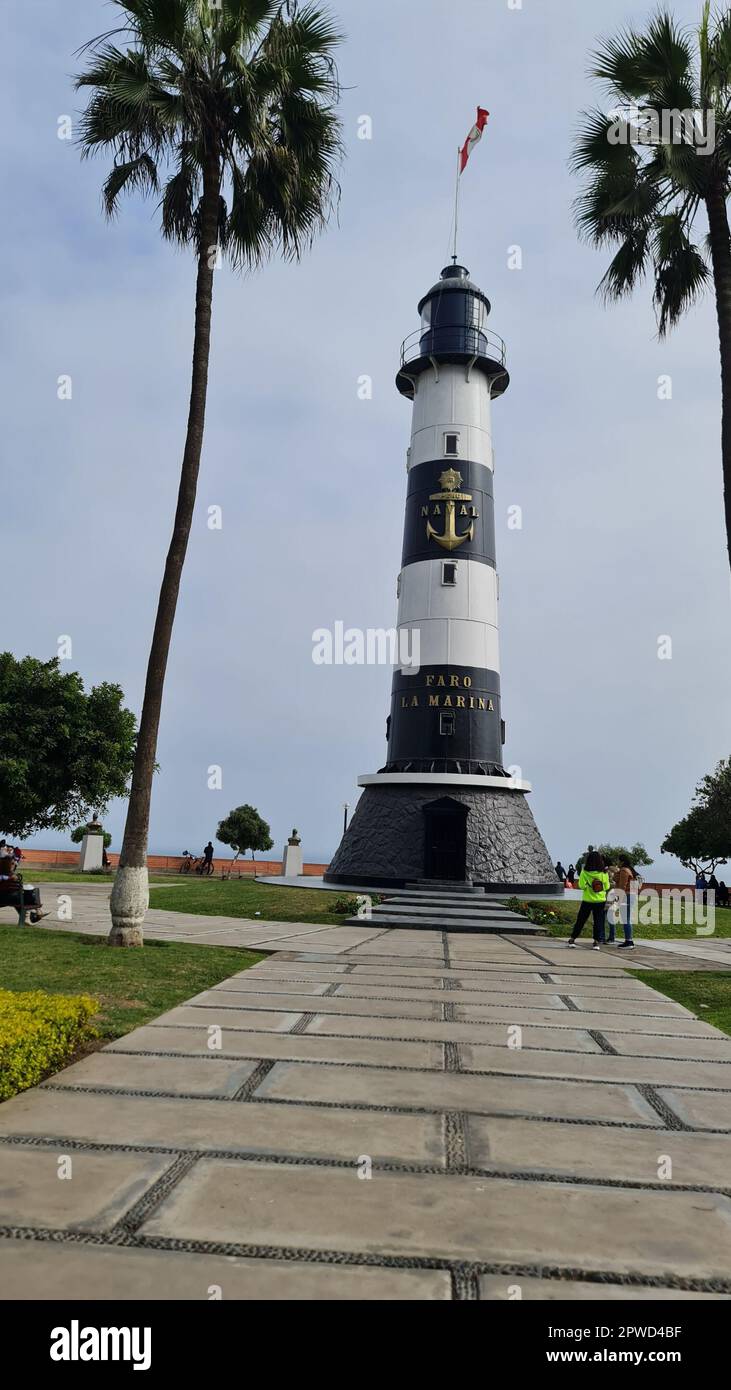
pixel 594 884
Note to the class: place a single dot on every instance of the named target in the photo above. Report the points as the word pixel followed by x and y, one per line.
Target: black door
pixel 445 839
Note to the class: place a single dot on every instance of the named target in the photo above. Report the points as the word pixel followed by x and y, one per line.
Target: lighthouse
pixel 444 808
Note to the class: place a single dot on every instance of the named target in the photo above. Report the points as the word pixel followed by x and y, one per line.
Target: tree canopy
pixel 78 834
pixel 63 752
pixel 637 854
pixel 702 839
pixel 243 95
pixel 242 829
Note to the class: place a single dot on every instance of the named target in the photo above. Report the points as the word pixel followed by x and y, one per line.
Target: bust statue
pixel 294 838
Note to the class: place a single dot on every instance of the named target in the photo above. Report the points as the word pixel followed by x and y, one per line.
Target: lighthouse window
pixel 451 444
pixel 449 572
pixel 446 723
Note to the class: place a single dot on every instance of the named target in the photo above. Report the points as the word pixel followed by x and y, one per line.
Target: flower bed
pixel 537 913
pixel 39 1032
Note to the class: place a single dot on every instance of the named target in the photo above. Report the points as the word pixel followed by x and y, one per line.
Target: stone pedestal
pixel 91 853
pixel 292 861
pixel 386 841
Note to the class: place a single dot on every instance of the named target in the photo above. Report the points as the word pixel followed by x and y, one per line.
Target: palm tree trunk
pixel 130 893
pixel 721 260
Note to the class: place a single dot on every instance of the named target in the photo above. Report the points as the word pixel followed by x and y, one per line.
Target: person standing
pixel 594 885
pixel 560 872
pixel 627 882
pixel 208 858
pixel 701 886
pixel 571 875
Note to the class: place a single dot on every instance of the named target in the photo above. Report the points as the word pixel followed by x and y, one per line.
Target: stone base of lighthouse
pixel 403 831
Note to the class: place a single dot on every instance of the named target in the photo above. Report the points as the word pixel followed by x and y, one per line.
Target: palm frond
pixel 628 267
pixel 180 199
pixel 250 91
pixel 139 173
pixel 681 272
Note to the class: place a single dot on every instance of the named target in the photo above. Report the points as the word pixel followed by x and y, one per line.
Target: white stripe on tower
pixel 458 622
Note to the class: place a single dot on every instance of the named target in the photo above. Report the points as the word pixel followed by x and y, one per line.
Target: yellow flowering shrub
pixel 38 1033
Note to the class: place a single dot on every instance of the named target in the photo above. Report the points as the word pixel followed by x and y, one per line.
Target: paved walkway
pixel 405 1115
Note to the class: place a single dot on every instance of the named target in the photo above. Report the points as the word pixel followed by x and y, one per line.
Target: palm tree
pixel 227 110
pixel 653 163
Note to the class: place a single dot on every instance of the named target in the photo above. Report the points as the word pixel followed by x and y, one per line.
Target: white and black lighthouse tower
pixel 443 807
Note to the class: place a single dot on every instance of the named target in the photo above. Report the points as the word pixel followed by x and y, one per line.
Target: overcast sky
pixel 622 540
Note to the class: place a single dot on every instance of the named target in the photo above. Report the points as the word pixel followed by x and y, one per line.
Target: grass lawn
pixel 662 931
pixel 133 986
pixel 693 989
pixel 244 898
pixel 33 875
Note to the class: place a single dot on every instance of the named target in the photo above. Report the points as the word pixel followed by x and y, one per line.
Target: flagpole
pixel 456 204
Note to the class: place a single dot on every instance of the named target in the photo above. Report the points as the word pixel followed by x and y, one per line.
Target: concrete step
pixel 447 885
pixel 444 902
pixel 515 926
pixel 443 910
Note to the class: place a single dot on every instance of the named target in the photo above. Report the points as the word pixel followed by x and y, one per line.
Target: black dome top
pixel 455 277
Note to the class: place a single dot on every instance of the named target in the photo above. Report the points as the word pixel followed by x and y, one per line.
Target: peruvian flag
pixel 472 139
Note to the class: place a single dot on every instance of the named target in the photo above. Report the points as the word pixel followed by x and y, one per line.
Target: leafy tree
pixel 645 186
pixel 244 829
pixel 702 839
pixel 64 752
pixel 698 841
pixel 714 791
pixel 637 854
pixel 228 113
pixel 78 834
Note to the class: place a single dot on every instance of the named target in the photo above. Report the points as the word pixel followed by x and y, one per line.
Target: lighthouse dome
pixel 455 279
pixel 453 329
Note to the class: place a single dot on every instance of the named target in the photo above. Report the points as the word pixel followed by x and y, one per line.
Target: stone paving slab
pixel 701 1109
pixel 596 1151
pixel 100 1189
pixel 476 1094
pixel 309 1131
pixel 192 1039
pixel 547 1000
pixel 597 1066
pixel 605 1022
pixel 183 1076
pixel 567 1039
pixel 707 1049
pixel 31 1270
pixel 382 1008
pixel 394 1049
pixel 451 1218
pixel 648 1003
pixel 264 1020
pixel 502 1288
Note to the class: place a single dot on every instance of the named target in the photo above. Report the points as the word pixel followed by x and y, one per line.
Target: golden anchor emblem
pixel 450 538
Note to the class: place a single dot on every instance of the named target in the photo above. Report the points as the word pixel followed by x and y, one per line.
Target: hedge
pixel 39 1032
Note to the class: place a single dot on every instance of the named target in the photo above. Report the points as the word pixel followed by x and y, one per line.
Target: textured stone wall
pixel 385 838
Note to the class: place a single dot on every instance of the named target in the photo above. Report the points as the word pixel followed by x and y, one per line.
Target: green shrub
pixel 39 1032
pixel 350 906
pixel 537 913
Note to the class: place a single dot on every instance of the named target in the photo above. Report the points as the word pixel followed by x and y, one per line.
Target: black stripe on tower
pixel 466 528
pixel 445 720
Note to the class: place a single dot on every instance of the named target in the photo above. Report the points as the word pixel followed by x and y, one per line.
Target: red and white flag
pixel 472 139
